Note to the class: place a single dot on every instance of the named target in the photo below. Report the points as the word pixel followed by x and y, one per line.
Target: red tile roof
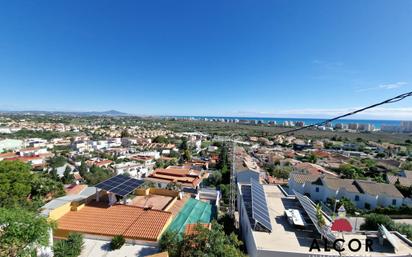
pixel 24 158
pixel 130 221
pixel 313 169
pixel 77 176
pixel 29 149
pixel 74 189
pixel 179 174
pixel 8 155
pixel 102 163
pixel 191 228
pixel 174 171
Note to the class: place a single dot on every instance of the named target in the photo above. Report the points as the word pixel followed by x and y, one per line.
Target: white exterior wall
pixel 370 199
pixel 311 189
pixel 384 200
pixel 293 185
pixel 325 192
pixel 407 201
pixel 330 193
pixel 36 162
pixel 245 227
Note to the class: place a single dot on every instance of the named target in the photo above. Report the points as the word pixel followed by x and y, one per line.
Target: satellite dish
pixel 342 208
pixel 342 212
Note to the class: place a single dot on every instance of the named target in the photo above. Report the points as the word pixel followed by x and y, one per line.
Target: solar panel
pixel 260 211
pixel 247 200
pixel 391 238
pixel 120 185
pixel 310 209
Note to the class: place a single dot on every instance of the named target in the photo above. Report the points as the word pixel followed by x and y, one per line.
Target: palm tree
pixel 319 216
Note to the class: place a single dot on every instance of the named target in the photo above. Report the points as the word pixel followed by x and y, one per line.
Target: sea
pixel 307 121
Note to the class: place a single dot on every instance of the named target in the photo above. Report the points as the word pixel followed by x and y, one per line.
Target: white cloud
pixel 393 85
pixel 386 86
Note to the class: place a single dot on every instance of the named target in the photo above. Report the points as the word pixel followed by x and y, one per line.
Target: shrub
pixel 405 229
pixel 117 242
pixel 72 247
pixel 204 242
pixel 373 220
pixel 391 210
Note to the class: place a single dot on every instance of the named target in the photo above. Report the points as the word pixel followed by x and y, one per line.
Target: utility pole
pixel 232 186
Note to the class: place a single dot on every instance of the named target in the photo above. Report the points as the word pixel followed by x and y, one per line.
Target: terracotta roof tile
pixel 7 155
pixel 130 221
pixel 74 190
pixel 191 228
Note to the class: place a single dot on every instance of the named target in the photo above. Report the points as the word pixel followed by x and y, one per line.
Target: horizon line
pixel 201 116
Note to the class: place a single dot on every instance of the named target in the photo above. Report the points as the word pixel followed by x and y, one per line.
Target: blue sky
pixel 237 58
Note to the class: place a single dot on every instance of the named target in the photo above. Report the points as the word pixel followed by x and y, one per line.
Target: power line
pixel 388 101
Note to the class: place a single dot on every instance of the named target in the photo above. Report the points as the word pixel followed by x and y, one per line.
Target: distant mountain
pixel 110 113
pixel 106 113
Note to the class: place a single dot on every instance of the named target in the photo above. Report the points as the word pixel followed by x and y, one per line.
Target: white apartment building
pixel 406 126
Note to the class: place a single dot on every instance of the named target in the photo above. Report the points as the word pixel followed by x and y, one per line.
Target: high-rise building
pixel 353 126
pixel 406 126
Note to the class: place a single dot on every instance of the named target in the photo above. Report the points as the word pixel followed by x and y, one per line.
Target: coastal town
pixel 214 128
pixel 133 186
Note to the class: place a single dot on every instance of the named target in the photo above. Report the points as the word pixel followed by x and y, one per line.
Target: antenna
pixel 232 198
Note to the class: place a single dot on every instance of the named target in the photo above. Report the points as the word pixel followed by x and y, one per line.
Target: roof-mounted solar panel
pixel 310 209
pixel 260 212
pixel 120 185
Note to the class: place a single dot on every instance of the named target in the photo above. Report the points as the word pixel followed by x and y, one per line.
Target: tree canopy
pixel 97 175
pixel 351 171
pixel 21 231
pixel 203 242
pixel 19 187
pixel 161 139
pixel 57 161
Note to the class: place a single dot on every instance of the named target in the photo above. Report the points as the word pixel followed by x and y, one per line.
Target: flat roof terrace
pixel 155 202
pixel 287 238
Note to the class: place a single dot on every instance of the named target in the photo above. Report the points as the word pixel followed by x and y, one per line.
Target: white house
pixel 33 151
pixel 99 145
pixel 154 154
pixel 364 194
pixel 36 142
pixel 136 170
pixel 115 142
pixel 5 130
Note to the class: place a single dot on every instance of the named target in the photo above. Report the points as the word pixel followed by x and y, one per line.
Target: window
pixel 394 202
pixel 356 197
pixel 367 206
pixel 317 189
